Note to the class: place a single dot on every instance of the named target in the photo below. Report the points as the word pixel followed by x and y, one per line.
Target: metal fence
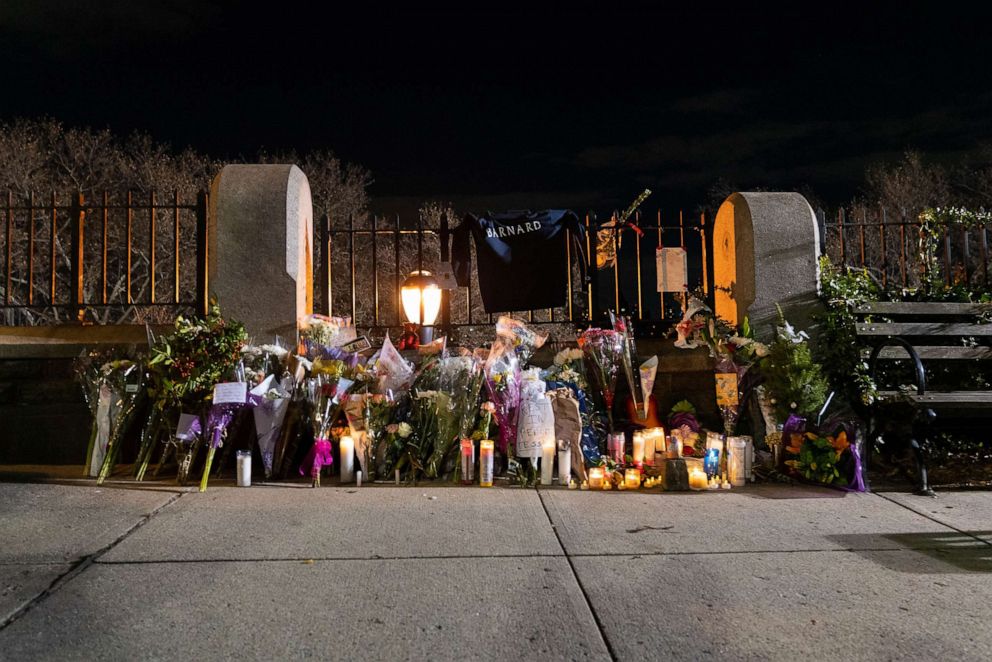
pixel 887 243
pixel 102 259
pixel 362 263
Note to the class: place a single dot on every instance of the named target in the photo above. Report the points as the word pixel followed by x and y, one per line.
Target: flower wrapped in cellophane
pixel 459 380
pixel 603 350
pixel 325 392
pixel 270 401
pixel 113 390
pixel 502 377
pixel 229 398
pixel 523 340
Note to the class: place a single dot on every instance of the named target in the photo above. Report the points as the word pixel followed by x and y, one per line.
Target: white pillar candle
pixel 547 460
pixel 658 435
pixel 638 447
pixel 347 448
pixel 358 478
pixel 565 466
pixel 244 468
pixel 486 463
pixel 397 476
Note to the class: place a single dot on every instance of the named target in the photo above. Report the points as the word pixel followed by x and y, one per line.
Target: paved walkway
pixel 286 572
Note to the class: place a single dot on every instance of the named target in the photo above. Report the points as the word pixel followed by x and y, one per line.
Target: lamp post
pixel 421 299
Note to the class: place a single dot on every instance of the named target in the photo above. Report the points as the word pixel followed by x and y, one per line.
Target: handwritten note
pixel 231 393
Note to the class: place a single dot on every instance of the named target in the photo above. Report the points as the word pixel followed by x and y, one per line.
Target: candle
pixel 358 478
pixel 697 479
pixel 615 442
pixel 548 447
pixel 736 461
pixel 468 461
pixel 347 448
pixel 712 461
pixel 572 485
pixel 584 485
pixel 659 440
pixel 564 464
pixel 595 477
pixel 638 447
pixel 486 463
pixel 397 476
pixel 244 468
pixel 632 479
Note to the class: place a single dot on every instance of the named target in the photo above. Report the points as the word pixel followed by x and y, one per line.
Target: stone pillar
pixel 260 253
pixel 766 251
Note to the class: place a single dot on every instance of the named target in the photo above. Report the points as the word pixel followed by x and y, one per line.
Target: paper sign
pixel 446 277
pixel 358 345
pixel 672 266
pixel 726 389
pixel 231 392
pixel 185 430
pixel 344 336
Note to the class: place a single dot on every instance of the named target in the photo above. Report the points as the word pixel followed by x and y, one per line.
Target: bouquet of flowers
pixel 318 332
pixel 229 398
pixel 419 443
pixel 185 366
pixel 524 341
pixel 603 350
pixel 116 390
pixel 325 393
pixel 460 379
pixel 569 367
pixel 270 402
pixel 186 441
pixel 502 377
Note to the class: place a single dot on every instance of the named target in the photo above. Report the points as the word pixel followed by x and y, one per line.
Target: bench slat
pixel 932 352
pixel 924 329
pixel 962 399
pixel 895 308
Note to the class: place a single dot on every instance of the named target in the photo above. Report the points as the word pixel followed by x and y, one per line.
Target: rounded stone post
pixel 260 252
pixel 766 251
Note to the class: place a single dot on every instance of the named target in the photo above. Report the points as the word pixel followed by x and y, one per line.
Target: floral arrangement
pixel 815 457
pixel 603 352
pixel 569 367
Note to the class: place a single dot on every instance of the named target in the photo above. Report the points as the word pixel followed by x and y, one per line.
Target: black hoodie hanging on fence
pixel 521 257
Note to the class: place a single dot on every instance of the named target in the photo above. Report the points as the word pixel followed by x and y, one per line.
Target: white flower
pixel 793 405
pixel 404 430
pixel 760 350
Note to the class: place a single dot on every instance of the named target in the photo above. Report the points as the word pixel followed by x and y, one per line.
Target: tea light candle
pixel 347 448
pixel 572 485
pixel 547 460
pixel 632 479
pixel 584 485
pixel 638 447
pixel 486 463
pixel 595 477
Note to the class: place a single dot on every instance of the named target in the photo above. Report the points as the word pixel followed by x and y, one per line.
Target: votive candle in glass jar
pixel 548 447
pixel 244 468
pixel 638 447
pixel 632 479
pixel 595 478
pixel 347 448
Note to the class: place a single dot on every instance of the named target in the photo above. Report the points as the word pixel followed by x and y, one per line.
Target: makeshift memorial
pixel 603 351
pixel 122 390
pixel 228 399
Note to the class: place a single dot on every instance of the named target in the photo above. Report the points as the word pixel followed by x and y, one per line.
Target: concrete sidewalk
pixel 283 572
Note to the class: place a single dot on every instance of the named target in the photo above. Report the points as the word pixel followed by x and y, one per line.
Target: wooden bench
pixel 923 332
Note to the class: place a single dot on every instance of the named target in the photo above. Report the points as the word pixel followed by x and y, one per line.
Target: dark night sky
pixel 521 107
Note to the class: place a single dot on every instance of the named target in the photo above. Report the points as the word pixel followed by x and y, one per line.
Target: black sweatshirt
pixel 521 257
